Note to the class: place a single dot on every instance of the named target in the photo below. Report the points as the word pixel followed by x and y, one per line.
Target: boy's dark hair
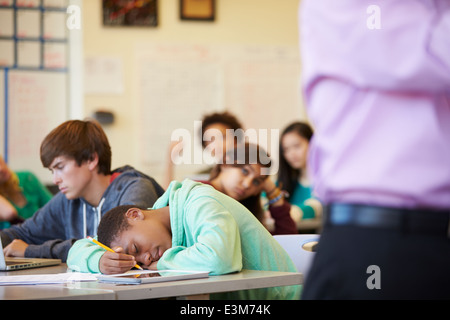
pixel 224 118
pixel 78 140
pixel 112 224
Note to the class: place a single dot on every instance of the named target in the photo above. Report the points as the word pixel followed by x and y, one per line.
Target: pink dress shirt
pixel 379 100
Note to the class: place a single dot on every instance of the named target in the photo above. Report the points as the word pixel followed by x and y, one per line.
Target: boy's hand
pixel 16 248
pixel 116 262
pixel 153 266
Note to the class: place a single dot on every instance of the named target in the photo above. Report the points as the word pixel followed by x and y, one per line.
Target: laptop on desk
pixel 12 263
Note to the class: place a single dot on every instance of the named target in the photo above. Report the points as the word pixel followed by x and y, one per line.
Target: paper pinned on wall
pixel 28 54
pixel 179 84
pixel 52 22
pixel 28 24
pixel 2 114
pixel 103 75
pixel 6 53
pixel 36 104
pixel 6 22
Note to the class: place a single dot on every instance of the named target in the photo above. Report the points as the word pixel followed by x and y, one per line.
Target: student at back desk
pixel 21 195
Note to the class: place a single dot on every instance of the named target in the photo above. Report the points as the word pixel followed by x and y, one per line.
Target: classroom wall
pixel 238 22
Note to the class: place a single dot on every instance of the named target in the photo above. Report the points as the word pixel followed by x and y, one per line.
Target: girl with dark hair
pixel 293 175
pixel 212 134
pixel 241 176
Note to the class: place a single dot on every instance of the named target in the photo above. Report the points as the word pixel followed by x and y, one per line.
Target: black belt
pixel 413 221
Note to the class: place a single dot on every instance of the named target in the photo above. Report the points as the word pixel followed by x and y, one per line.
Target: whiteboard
pixel 180 83
pixel 36 103
pixel 34 64
pixel 177 85
pixel 3 126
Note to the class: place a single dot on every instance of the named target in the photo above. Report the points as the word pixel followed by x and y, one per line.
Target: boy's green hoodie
pixel 213 232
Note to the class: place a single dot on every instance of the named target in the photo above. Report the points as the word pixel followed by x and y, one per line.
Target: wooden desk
pixel 198 288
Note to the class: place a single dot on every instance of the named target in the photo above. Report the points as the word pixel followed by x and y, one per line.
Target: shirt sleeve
pixel 377 46
pixel 84 256
pixel 43 225
pixel 212 240
pixel 283 221
pixel 140 192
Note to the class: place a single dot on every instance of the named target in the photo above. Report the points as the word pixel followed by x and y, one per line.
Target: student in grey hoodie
pixel 79 156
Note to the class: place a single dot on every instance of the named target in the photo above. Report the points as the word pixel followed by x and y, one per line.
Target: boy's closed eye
pixel 132 250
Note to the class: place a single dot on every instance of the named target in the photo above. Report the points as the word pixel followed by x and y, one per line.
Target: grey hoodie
pixel 52 230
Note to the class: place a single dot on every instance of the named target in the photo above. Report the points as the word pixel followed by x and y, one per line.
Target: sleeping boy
pixel 195 227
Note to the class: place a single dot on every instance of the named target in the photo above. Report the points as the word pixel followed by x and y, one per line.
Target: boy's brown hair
pixel 78 140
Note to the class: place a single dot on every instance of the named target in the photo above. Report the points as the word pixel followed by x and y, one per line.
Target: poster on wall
pixel 130 13
pixel 201 10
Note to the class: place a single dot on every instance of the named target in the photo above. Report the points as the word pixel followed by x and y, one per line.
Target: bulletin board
pixel 33 78
pixel 180 83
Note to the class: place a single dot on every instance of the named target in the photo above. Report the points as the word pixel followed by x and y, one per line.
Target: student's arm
pixel 140 192
pixel 56 249
pixel 279 209
pixel 212 240
pixel 44 232
pixel 85 256
pixel 7 210
pixel 284 224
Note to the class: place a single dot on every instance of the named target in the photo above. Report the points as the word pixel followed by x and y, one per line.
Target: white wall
pixel 257 22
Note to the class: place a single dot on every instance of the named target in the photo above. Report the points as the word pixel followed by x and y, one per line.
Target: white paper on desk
pixel 151 276
pixel 46 278
pixel 131 272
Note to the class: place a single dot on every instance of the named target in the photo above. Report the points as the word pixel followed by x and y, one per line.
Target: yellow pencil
pixel 111 250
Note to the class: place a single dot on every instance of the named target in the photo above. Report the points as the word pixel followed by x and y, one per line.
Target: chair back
pixel 301 249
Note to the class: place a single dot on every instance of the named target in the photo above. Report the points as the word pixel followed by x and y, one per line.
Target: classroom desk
pixel 196 288
pixel 51 291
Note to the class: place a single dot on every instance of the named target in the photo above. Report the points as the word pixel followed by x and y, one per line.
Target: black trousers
pixel 367 259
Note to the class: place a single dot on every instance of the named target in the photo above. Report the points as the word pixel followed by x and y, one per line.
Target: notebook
pixel 13 263
pixel 151 276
